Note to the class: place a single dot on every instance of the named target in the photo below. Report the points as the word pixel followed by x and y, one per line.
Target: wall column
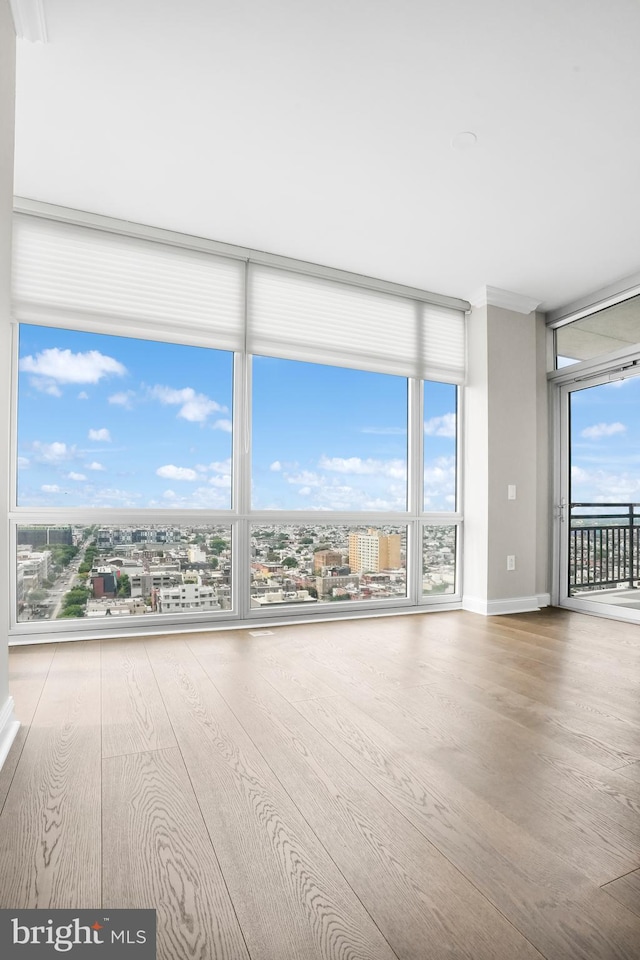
pixel 506 446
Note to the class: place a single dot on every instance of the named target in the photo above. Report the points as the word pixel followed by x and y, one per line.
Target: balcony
pixel 604 552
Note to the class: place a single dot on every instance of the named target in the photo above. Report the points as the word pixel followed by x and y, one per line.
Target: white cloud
pixel 23 462
pixel 50 488
pixel 603 486
pixel 55 366
pixel 53 452
pixel 195 407
pixel 171 472
pixel 599 430
pixel 276 466
pixel 101 434
pixel 108 496
pixel 122 399
pixel 83 395
pixel 201 497
pixel 225 425
pixel 45 386
pixel 444 426
pixel 76 476
pixel 356 466
pixel 306 478
pixel 304 491
pixel 94 465
pixel 222 481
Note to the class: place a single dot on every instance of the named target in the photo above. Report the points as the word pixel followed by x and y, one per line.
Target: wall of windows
pixel 174 473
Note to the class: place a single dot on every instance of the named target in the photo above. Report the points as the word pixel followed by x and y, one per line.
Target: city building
pixel 187 596
pixel 373 551
pixel 326 558
pixel 442 194
pixel 39 536
pixel 330 584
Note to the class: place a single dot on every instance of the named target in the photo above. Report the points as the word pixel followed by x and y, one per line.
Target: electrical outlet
pixel 511 562
pixel 511 491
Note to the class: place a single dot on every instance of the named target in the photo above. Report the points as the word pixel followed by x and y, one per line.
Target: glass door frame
pixel 563 383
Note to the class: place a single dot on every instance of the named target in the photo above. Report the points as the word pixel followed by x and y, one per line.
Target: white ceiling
pixel 321 129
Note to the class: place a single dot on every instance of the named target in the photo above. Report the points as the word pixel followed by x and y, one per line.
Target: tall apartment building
pixel 373 551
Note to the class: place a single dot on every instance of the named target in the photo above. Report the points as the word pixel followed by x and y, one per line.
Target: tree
pixel 289 562
pixel 36 596
pixel 217 545
pixel 214 562
pixel 124 585
pixel 73 610
pixel 77 595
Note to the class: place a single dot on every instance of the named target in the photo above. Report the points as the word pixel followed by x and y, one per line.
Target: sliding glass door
pixel 598 513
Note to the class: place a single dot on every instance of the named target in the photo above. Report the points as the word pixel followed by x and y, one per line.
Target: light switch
pixel 511 491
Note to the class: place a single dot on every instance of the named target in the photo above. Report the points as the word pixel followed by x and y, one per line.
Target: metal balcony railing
pixel 604 545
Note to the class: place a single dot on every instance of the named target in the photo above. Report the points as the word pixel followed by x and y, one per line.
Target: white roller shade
pixel 302 317
pixel 63 272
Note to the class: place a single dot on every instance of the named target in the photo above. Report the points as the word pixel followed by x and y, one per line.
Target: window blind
pixel 69 274
pixel 302 317
pixel 64 272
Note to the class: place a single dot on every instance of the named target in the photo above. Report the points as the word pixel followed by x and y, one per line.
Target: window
pixel 108 421
pixel 439 560
pixel 328 438
pixel 600 333
pixel 201 437
pixel 440 446
pixel 296 566
pixel 101 571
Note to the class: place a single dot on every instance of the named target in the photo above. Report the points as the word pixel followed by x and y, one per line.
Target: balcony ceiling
pixel 323 131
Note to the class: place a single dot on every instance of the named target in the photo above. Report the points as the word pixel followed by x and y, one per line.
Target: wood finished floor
pixel 420 787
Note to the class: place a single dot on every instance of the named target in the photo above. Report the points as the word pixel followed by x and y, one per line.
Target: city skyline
pixel 138 423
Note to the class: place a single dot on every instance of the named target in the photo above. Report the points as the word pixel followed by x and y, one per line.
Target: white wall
pixel 8 725
pixel 506 433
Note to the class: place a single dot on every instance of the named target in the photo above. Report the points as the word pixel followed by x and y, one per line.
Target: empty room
pixel 321 479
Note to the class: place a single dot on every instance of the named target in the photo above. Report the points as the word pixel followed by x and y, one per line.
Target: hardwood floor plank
pixel 535 702
pixel 631 770
pixel 134 718
pixel 50 825
pixel 28 668
pixel 293 684
pixel 290 899
pixel 626 890
pixel 554 906
pixel 157 854
pixel 416 895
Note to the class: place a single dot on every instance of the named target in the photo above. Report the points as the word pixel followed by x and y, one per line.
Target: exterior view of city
pixel 73 571
pixel 67 572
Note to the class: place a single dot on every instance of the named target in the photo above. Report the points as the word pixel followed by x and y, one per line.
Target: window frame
pixel 240 517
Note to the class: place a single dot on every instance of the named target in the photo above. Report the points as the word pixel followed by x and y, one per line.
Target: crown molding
pixel 495 297
pixel 29 20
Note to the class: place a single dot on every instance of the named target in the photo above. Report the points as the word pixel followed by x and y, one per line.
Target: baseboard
pixel 494 608
pixel 544 599
pixel 9 727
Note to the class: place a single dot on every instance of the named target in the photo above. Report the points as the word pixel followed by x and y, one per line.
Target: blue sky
pixel 336 439
pixel 605 443
pixel 114 422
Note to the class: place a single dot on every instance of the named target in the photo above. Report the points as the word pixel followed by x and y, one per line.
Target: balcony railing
pixel 604 545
